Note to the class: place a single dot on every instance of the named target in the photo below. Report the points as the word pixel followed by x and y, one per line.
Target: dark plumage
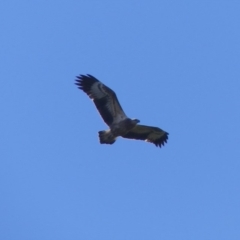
pixel 150 134
pixel 102 96
pixel 112 113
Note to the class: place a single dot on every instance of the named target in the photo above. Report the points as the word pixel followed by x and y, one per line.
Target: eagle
pixel 120 125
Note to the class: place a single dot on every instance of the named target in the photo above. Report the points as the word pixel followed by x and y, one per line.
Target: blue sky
pixel 173 64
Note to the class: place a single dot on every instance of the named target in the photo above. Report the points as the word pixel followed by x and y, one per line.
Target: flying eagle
pixel 113 115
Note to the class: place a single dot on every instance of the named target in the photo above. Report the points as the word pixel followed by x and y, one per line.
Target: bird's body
pixel 123 127
pixel 112 113
pixel 118 129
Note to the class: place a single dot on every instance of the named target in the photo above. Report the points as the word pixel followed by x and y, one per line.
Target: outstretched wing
pixel 103 97
pixel 149 134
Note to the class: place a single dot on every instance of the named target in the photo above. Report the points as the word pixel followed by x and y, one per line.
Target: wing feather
pixel 104 98
pixel 153 135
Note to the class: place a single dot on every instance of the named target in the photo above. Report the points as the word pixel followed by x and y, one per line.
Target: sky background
pixel 173 64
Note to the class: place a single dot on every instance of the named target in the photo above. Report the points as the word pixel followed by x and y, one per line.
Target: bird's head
pixel 136 120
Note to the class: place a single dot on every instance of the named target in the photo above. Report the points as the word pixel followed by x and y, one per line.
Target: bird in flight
pixel 106 102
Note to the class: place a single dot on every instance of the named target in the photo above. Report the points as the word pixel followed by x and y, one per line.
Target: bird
pixel 120 125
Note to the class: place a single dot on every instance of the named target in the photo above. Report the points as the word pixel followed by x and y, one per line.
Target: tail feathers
pixel 106 137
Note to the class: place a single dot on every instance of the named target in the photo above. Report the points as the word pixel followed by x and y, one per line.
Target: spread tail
pixel 106 137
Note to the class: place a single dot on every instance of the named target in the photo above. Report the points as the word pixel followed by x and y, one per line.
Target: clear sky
pixel 173 64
